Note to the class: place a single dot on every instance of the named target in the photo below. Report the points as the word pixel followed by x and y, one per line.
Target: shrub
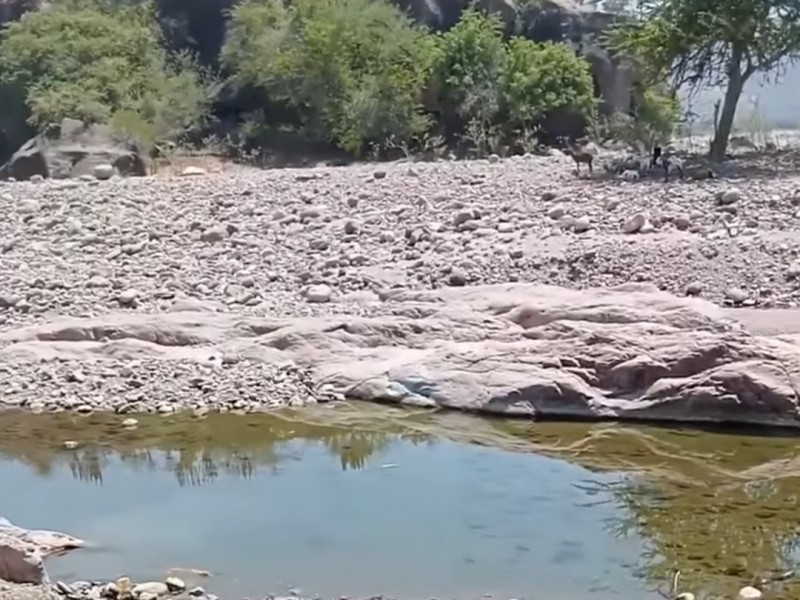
pixel 495 94
pixel 84 60
pixel 353 71
pixel 654 119
pixel 469 64
pixel 538 80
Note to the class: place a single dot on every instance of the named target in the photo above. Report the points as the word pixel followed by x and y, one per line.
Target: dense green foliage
pixel 82 60
pixel 353 71
pixel 712 42
pixel 538 79
pixel 467 71
pixel 357 75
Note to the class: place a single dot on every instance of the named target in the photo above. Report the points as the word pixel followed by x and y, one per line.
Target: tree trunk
pixel 736 80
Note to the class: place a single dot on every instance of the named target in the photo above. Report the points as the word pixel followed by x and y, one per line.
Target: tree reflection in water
pixel 197 451
pixel 720 508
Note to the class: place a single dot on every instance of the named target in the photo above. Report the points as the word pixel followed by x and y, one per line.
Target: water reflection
pixel 195 449
pixel 451 520
pixel 722 509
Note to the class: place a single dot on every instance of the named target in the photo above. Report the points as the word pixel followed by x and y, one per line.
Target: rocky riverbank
pixel 30 592
pixel 13 591
pixel 249 289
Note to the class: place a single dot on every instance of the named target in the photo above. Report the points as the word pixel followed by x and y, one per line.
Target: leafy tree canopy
pixel 710 43
pixel 84 60
pixel 355 70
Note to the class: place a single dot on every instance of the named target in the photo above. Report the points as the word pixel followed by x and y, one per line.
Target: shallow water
pixel 363 500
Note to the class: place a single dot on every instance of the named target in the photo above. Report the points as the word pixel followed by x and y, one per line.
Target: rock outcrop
pixel 630 352
pixel 74 150
pixel 22 552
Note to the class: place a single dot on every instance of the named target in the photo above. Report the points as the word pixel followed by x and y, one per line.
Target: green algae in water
pixel 720 508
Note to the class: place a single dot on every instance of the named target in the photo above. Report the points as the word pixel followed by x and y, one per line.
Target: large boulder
pixel 20 563
pixel 22 552
pixel 75 149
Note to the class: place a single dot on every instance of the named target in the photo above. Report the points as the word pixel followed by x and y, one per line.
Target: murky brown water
pixel 365 499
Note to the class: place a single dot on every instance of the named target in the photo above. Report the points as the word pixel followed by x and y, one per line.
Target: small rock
pixel 505 228
pixel 635 223
pixel 793 272
pixel 128 297
pixel 98 281
pixel 191 171
pixel 379 174
pixel 214 234
pixel 64 589
pixel 153 588
pixel 9 301
pixel 548 196
pixel 581 224
pixel 103 171
pixel 736 295
pixel 197 592
pixel 70 445
pixel 28 207
pixel 648 227
pixel 130 423
pixel 457 278
pixel 310 213
pixel 695 288
pixel 175 585
pixel 351 228
pixel 730 196
pixel 748 592
pixel 463 216
pixel 682 222
pixel 319 294
pixel 556 212
pixel 76 376
pixel 494 159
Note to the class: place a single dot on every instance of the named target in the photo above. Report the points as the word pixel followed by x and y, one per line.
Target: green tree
pixel 654 119
pixel 539 79
pixel 84 60
pixel 353 71
pixel 712 43
pixel 468 70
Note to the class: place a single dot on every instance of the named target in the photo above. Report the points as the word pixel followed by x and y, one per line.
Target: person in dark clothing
pixel 668 162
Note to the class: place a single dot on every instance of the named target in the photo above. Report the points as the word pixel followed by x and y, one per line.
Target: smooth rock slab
pixel 630 352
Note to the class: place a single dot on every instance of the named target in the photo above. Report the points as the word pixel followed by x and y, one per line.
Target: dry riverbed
pixel 265 248
pixel 285 263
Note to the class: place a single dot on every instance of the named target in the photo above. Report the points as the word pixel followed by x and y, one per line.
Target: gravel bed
pixel 329 241
pixel 11 591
